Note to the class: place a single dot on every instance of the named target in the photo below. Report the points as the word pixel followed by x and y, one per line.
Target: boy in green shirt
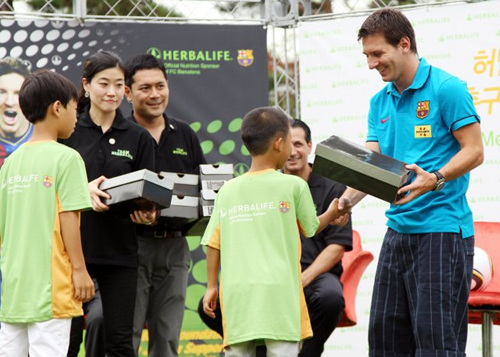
pixel 43 189
pixel 253 234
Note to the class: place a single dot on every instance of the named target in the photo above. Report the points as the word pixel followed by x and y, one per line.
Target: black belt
pixel 161 234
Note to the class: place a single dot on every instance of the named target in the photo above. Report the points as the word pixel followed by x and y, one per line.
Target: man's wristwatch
pixel 441 182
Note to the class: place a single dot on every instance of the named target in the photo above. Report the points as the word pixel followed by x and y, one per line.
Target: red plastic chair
pixel 354 263
pixel 484 306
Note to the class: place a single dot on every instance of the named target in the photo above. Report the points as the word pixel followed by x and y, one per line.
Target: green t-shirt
pixel 38 181
pixel 255 225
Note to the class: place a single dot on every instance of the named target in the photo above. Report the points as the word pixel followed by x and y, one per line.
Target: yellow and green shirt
pixel 39 181
pixel 255 225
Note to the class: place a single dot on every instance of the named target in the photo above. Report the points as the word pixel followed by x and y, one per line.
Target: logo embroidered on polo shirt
pixel 180 151
pixel 284 207
pixel 423 109
pixel 423 131
pixel 48 181
pixel 123 153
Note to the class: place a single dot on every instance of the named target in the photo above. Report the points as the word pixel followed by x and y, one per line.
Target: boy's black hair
pixel 144 61
pixel 297 123
pixel 40 90
pixel 14 65
pixel 96 63
pixel 260 126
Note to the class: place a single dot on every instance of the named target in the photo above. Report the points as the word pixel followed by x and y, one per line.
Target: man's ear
pixel 405 44
pixel 128 94
pixel 309 147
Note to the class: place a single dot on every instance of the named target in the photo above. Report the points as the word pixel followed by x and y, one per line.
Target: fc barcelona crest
pixel 423 109
pixel 284 207
pixel 245 57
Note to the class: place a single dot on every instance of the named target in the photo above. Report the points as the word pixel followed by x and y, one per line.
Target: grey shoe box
pixel 361 168
pixel 207 202
pixel 184 184
pixel 137 185
pixel 212 177
pixel 183 207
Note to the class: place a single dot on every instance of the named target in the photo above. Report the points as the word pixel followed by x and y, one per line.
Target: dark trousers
pixel 117 288
pixel 94 338
pixel 325 302
pixel 420 296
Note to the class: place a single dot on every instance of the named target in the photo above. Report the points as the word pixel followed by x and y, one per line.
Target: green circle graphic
pixel 207 146
pixel 194 294
pixel 200 271
pixel 196 126
pixel 235 125
pixel 214 126
pixel 227 147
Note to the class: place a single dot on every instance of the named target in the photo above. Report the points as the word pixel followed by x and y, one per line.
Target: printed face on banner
pixel 106 89
pixel 13 124
pixel 149 94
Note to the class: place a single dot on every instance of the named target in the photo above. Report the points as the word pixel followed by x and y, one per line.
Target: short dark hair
pixel 260 126
pixel 297 123
pixel 144 61
pixel 40 90
pixel 14 65
pixel 392 23
pixel 96 63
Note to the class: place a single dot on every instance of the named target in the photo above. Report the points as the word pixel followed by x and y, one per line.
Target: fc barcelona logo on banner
pixel 245 57
pixel 284 207
pixel 423 109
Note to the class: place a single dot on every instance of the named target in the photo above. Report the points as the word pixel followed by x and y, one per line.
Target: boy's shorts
pixel 39 339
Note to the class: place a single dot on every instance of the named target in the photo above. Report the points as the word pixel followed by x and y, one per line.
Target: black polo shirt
pixel 323 191
pixel 109 237
pixel 179 151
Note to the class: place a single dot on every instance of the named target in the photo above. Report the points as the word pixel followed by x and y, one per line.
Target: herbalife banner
pixel 336 86
pixel 217 73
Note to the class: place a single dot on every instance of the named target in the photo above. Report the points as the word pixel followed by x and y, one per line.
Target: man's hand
pixel 84 286
pixel 423 183
pixel 144 216
pixel 96 194
pixel 210 302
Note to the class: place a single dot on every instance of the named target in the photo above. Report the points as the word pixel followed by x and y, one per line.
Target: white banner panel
pixel 336 87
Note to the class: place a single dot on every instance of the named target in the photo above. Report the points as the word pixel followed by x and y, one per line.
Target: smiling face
pixel 298 159
pixel 13 124
pixel 387 59
pixel 149 94
pixel 106 89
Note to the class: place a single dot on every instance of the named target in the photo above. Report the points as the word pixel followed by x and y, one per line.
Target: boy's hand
pixel 210 302
pixel 96 194
pixel 84 286
pixel 341 209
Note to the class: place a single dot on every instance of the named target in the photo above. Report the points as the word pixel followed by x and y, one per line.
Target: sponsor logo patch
pixel 423 131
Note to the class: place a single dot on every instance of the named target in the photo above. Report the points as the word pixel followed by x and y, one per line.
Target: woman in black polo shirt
pixel 110 146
